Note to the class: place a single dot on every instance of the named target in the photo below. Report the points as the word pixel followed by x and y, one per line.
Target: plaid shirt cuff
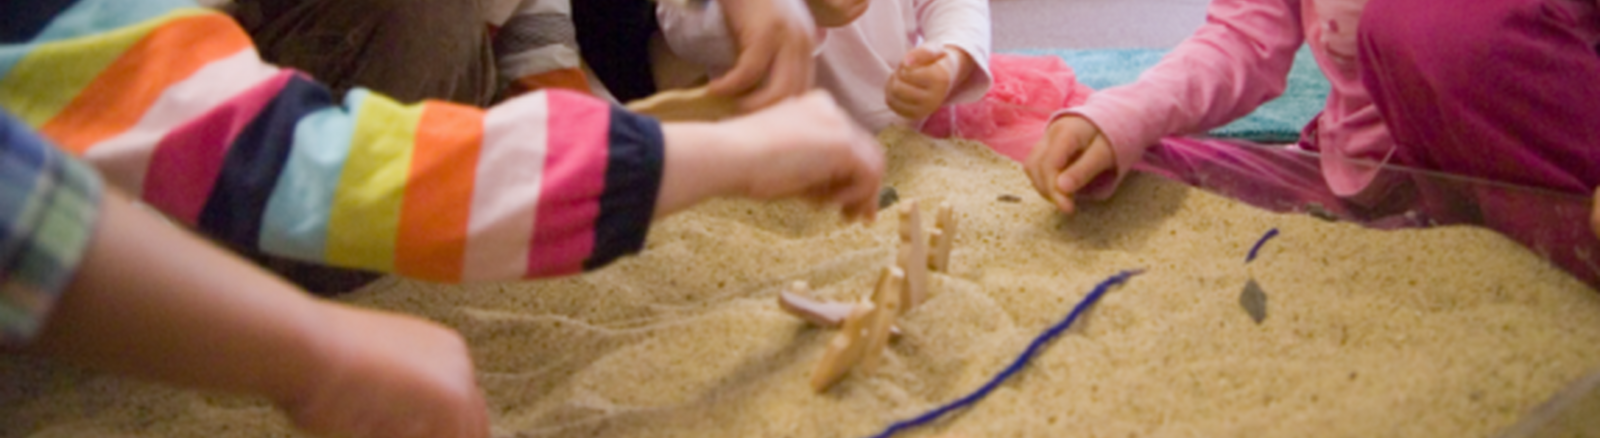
pixel 49 202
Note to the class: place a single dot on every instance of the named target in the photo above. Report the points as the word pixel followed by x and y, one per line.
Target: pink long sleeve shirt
pixel 1240 59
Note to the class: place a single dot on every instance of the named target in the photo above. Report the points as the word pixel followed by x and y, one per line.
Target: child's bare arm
pixel 155 302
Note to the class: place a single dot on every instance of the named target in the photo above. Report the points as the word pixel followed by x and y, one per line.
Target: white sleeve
pixel 698 35
pixel 963 24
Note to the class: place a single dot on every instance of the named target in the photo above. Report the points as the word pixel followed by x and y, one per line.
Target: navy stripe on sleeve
pixel 234 211
pixel 633 178
pixel 23 19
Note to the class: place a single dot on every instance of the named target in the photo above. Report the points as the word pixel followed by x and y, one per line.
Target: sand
pixel 1448 332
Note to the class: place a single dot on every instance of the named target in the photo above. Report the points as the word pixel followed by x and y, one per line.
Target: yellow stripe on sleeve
pixel 365 218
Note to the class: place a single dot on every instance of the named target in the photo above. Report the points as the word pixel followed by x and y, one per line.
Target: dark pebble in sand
pixel 1254 301
pixel 887 197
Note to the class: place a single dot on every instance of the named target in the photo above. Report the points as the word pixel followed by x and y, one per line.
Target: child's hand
pixel 805 147
pixel 809 147
pixel 1072 153
pixel 390 376
pixel 923 81
pixel 776 41
pixel 835 13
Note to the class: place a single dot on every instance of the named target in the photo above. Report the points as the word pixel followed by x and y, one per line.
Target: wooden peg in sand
pixel 845 349
pixel 886 299
pixel 796 300
pixel 944 238
pixel 913 258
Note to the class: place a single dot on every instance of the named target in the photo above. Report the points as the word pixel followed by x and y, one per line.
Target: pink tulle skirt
pixel 1011 118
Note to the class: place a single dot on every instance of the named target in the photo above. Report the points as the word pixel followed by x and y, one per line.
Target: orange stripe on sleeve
pixel 121 94
pixel 432 240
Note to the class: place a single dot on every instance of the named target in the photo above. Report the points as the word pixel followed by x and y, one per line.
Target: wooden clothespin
pixel 845 349
pixel 864 334
pixel 887 298
pixel 944 238
pixel 913 259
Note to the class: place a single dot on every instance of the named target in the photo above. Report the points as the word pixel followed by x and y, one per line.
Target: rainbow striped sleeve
pixel 173 104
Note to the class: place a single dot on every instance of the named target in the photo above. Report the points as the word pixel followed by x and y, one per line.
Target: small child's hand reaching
pixel 1072 153
pixel 809 148
pixel 776 40
pixel 924 79
pixel 804 147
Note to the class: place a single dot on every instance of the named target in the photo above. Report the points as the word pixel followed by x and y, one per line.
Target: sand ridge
pixel 1444 332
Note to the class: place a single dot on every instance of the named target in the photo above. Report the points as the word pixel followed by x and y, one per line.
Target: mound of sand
pixel 1444 332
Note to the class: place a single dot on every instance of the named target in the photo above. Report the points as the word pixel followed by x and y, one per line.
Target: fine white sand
pixel 1446 332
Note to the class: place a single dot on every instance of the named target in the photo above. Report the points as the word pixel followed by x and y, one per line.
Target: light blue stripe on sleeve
pixel 296 221
pixel 88 17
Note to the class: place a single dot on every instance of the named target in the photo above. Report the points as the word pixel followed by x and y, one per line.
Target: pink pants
pixel 1483 90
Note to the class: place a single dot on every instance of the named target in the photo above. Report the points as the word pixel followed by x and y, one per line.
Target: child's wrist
pixel 323 345
pixel 959 64
pixel 739 149
pixel 703 160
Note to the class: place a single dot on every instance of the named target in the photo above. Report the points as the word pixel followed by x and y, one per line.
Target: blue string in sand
pixel 1033 348
pixel 1254 249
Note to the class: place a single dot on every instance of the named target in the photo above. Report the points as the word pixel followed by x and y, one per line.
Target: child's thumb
pixel 923 56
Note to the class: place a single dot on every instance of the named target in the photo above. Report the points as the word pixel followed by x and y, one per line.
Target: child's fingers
pixel 909 101
pixel 1096 159
pixel 858 8
pixel 860 198
pixel 1063 201
pixel 1045 162
pixel 747 71
pixel 850 202
pixel 1035 156
pixel 905 91
pixel 926 76
pixel 788 74
pixel 791 76
pixel 836 13
pixel 870 179
pixel 922 56
pixel 907 109
pixel 1052 159
pixel 771 65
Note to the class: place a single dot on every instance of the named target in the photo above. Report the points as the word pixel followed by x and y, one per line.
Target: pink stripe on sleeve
pixel 185 164
pixel 574 178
